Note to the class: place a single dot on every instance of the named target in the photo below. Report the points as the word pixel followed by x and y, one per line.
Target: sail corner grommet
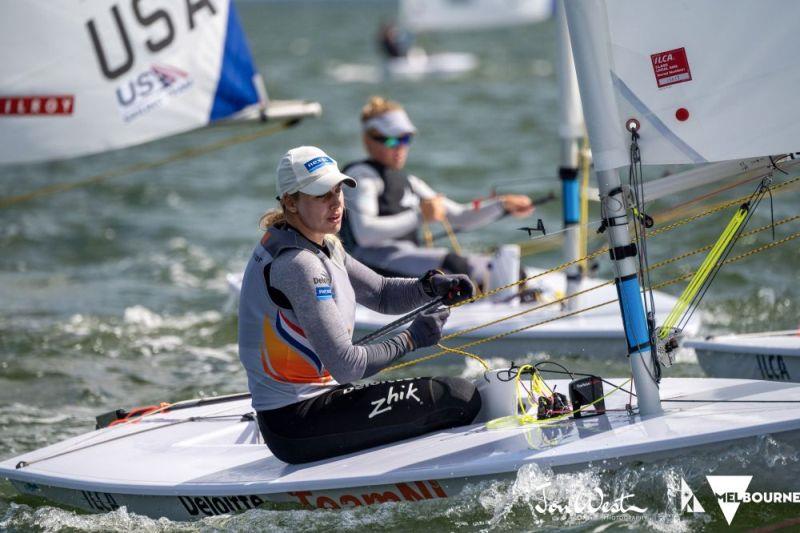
pixel 632 125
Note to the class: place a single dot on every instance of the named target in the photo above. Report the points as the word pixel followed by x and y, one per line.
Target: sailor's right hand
pixel 433 209
pixel 517 205
pixel 426 329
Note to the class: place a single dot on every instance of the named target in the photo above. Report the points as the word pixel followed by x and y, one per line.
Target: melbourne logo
pixel 689 502
pixel 317 162
pixel 730 492
pixel 150 89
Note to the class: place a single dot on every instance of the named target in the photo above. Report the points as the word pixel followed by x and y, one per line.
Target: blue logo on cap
pixel 318 162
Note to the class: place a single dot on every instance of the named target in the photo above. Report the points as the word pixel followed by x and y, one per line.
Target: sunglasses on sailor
pixel 393 142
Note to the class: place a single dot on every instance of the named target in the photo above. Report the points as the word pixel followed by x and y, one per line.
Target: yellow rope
pixel 141 167
pixel 525 419
pixel 529 247
pixel 702 274
pixel 449 349
pixel 427 235
pixel 465 354
pixel 452 236
pixel 558 268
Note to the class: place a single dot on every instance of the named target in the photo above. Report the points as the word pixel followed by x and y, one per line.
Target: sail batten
pixel 95 76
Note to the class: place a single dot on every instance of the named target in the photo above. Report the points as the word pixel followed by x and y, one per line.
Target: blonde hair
pixel 275 216
pixel 278 215
pixel 377 106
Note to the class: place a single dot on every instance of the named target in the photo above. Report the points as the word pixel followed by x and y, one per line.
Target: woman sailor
pixel 384 213
pixel 296 318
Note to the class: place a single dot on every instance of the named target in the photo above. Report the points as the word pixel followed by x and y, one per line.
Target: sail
pixel 85 77
pixel 705 85
pixel 455 15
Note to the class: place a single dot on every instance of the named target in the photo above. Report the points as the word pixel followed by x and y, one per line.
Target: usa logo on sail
pixel 150 89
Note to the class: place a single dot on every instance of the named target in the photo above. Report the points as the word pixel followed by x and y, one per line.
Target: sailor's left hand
pixel 517 205
pixel 452 288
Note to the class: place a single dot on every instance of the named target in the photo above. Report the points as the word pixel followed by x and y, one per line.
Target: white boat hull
pixel 418 64
pixel 209 460
pixel 774 357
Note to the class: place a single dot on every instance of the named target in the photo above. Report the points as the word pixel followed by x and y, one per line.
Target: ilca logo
pixel 689 502
pixel 730 492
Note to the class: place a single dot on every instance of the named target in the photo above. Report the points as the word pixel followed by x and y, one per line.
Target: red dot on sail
pixel 682 114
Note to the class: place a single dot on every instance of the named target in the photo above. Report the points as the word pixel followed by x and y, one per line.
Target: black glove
pixel 426 329
pixel 452 288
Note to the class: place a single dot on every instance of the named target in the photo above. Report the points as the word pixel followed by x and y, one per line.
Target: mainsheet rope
pixel 457 349
pixel 141 167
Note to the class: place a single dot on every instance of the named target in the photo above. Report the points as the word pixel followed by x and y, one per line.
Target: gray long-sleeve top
pixel 295 272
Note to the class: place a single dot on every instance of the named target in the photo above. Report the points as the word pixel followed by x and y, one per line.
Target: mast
pixel 588 33
pixel 570 130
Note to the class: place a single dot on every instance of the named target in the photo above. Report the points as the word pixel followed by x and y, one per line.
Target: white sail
pixel 84 77
pixel 704 86
pixel 450 15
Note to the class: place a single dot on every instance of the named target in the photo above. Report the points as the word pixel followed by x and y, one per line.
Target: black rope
pixel 167 423
pixel 636 185
pixel 397 323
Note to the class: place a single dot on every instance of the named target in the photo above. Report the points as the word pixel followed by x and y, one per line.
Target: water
pixel 114 295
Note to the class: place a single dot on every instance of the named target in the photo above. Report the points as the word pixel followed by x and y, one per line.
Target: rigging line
pixel 720 207
pixel 427 235
pixel 388 328
pixel 140 167
pixel 573 374
pixel 533 245
pixel 655 287
pixel 558 268
pixel 709 246
pixel 640 230
pixel 583 229
pixel 703 272
pixel 23 464
pixel 524 312
pixel 753 205
pixel 452 236
pixel 678 207
pixel 652 267
pixel 739 257
pixel 495 337
pixel 465 354
pixel 733 401
pixel 526 419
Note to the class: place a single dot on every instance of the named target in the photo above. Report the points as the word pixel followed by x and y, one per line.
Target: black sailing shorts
pixel 350 418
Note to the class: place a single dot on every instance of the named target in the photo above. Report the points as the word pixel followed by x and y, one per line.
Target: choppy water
pixel 114 295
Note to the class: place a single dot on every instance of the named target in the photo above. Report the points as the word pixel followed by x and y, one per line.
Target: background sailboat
pixel 768 355
pixel 93 77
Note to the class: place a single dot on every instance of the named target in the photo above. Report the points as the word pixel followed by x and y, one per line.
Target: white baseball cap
pixel 309 170
pixel 393 123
